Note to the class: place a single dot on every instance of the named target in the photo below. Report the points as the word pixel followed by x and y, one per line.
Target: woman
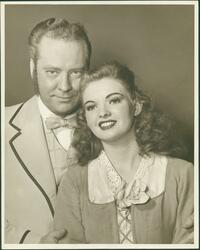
pixel 128 185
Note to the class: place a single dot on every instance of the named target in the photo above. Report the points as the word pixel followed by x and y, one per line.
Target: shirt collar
pixel 46 112
pixel 151 172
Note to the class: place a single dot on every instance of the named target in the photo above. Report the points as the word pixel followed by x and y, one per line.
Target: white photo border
pixel 196 131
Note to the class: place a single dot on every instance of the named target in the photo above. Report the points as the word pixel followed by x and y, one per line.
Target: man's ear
pixel 138 108
pixel 32 68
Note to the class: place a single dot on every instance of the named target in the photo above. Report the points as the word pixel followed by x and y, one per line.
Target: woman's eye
pixel 115 100
pixel 90 107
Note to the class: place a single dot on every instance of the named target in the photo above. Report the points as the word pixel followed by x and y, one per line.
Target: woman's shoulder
pixel 75 173
pixel 179 168
pixel 167 172
pixel 76 168
pixel 179 165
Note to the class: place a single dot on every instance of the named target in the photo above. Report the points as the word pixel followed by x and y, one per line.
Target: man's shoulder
pixel 10 111
pixel 13 108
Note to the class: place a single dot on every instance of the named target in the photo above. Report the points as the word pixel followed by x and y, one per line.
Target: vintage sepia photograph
pixel 99 125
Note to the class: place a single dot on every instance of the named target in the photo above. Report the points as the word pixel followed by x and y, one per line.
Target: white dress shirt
pixel 64 134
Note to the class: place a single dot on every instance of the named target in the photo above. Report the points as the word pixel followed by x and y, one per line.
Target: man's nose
pixel 65 83
pixel 104 111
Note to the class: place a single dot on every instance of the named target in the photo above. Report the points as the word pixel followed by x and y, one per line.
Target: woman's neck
pixel 124 156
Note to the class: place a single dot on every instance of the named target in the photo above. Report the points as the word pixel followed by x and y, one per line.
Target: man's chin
pixel 65 112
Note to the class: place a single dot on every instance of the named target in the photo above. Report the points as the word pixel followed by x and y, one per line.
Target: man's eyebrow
pixel 80 68
pixel 116 93
pixel 51 67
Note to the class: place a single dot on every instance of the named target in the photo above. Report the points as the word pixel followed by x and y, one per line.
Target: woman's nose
pixel 104 112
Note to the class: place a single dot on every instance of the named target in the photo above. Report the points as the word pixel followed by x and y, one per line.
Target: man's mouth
pixel 107 124
pixel 65 98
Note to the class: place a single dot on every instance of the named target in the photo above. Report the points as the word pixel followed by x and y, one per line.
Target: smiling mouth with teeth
pixel 106 125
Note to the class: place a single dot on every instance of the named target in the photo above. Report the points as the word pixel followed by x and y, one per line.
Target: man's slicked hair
pixel 58 28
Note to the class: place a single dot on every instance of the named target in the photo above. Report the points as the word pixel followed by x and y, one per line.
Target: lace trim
pixel 104 181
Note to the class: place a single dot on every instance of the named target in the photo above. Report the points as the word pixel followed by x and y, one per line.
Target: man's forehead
pixel 58 42
pixel 59 52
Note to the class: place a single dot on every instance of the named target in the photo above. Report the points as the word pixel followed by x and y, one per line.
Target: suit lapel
pixel 30 148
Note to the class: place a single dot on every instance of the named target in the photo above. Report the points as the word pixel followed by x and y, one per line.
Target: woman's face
pixel 109 109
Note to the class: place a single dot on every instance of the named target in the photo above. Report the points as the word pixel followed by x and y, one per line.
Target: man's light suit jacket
pixel 30 187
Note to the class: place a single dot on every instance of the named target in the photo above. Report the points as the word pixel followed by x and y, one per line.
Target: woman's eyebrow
pixel 116 93
pixel 88 102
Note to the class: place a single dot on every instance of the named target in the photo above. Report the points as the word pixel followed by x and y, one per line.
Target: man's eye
pixel 52 72
pixel 90 107
pixel 115 100
pixel 76 74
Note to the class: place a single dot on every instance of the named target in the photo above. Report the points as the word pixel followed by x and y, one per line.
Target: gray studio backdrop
pixel 155 41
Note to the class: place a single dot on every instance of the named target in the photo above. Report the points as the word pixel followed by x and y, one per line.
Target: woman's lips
pixel 104 125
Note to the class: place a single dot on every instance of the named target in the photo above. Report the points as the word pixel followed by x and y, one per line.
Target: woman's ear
pixel 32 68
pixel 138 108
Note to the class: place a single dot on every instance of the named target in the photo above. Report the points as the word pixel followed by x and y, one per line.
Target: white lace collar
pixel 101 176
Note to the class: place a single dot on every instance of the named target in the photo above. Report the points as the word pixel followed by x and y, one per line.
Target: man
pixel 37 148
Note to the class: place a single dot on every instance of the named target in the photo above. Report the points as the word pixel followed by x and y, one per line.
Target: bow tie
pixel 57 122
